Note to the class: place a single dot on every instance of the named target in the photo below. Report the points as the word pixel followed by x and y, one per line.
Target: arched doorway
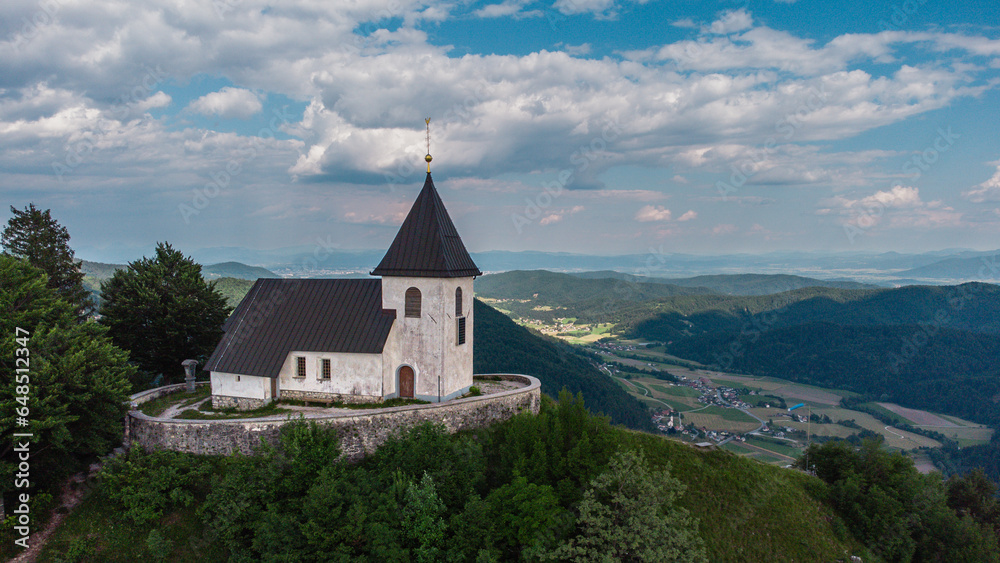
pixel 406 382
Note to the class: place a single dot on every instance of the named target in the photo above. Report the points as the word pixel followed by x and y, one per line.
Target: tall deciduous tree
pixel 628 514
pixel 64 382
pixel 32 234
pixel 163 311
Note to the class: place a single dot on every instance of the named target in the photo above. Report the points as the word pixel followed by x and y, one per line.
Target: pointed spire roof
pixel 427 244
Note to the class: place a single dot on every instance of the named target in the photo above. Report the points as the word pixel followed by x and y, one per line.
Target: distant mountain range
pixel 735 284
pixel 979 268
pixel 102 271
pixel 882 268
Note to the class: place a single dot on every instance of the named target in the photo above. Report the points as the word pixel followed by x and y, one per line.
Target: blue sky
pixel 590 126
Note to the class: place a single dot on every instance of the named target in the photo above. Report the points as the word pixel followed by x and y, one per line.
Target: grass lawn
pixel 206 412
pixel 774 446
pixel 160 404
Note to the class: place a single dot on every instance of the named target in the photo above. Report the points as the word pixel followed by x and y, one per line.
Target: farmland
pixel 694 401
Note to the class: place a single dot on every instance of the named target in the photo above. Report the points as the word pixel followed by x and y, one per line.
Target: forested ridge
pixel 504 347
pixel 934 348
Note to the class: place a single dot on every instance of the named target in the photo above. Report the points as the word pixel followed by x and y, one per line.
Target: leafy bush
pixel 145 484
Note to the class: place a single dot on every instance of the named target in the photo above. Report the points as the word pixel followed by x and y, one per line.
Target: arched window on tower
pixel 458 302
pixel 412 304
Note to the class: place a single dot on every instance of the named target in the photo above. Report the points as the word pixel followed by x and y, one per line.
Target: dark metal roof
pixel 427 244
pixel 280 316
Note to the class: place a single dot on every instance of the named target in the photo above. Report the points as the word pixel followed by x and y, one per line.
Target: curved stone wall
pixel 361 432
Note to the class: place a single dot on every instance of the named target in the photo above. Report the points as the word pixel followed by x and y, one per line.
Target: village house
pixel 406 333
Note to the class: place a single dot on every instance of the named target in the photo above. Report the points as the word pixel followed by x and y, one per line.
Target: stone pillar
pixel 189 366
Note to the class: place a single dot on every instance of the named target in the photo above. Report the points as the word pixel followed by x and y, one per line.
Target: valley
pixel 718 360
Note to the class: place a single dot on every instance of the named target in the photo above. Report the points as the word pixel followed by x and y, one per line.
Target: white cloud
pixel 688 215
pixel 157 100
pixel 986 191
pixel 731 21
pixel 511 8
pixel 652 213
pixel 560 215
pixel 228 103
pixel 575 50
pixel 900 206
pixel 570 7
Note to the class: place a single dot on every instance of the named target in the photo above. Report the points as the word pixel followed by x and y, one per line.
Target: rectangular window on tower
pixel 300 366
pixel 325 368
pixel 461 330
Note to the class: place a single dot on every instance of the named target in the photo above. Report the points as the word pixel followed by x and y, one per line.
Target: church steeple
pixel 427 244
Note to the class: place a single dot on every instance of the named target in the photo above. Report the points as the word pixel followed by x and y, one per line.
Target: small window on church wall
pixel 458 302
pixel 325 368
pixel 412 306
pixel 300 366
pixel 461 331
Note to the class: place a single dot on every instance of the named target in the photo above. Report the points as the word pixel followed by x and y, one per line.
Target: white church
pixel 407 333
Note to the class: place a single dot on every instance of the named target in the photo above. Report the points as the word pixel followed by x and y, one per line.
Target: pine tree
pixel 164 312
pixel 66 384
pixel 32 234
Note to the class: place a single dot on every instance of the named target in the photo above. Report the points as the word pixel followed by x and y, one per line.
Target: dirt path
pixel 71 497
pixel 174 410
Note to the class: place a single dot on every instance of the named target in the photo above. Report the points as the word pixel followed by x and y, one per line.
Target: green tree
pixel 73 393
pixel 164 312
pixel 628 514
pixel 899 513
pixel 32 234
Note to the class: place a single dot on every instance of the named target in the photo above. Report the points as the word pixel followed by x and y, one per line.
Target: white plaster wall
pixel 248 386
pixel 350 374
pixel 429 344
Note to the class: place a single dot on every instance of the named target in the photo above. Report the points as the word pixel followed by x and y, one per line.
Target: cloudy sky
pixel 593 126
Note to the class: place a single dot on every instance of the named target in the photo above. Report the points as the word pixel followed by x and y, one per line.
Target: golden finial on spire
pixel 428 158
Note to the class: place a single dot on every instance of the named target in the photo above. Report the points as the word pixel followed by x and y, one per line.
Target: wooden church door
pixel 406 382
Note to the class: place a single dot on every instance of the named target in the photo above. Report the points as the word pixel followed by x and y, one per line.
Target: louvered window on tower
pixel 458 302
pixel 412 305
pixel 461 331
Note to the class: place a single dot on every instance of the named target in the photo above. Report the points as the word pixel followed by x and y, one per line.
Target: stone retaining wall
pixel 220 402
pixel 332 397
pixel 361 433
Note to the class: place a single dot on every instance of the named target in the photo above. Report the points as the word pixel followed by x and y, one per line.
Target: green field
pixel 676 391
